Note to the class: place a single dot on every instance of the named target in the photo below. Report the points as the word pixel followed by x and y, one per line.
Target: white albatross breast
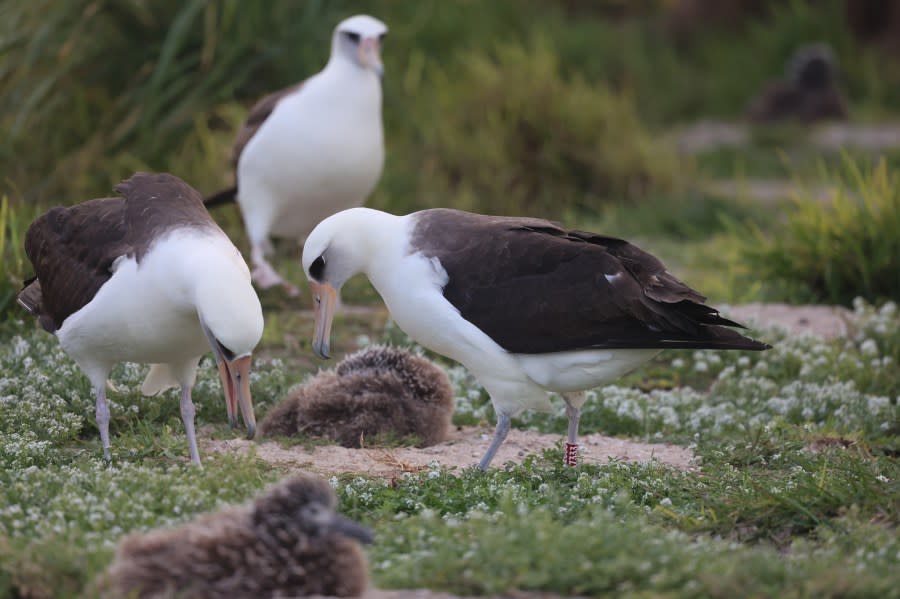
pixel 312 149
pixel 146 278
pixel 526 305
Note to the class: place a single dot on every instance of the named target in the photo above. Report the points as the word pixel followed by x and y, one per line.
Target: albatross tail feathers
pixel 226 196
pixel 160 378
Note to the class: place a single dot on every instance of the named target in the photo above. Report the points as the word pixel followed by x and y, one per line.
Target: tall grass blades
pixel 14 220
pixel 840 249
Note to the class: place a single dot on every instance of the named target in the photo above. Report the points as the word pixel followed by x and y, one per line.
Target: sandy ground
pixel 705 136
pixel 467 444
pixel 463 449
pixel 426 594
pixel 822 321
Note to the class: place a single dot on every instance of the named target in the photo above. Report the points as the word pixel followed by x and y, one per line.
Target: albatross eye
pixel 317 268
pixel 353 37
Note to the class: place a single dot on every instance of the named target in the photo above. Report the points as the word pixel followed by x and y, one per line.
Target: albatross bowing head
pixel 231 319
pixel 359 39
pixel 339 247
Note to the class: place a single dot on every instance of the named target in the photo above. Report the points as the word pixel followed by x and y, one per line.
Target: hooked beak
pixel 370 55
pixel 325 302
pixel 235 377
pixel 349 528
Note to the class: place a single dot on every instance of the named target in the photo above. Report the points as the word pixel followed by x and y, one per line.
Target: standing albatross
pixel 312 149
pixel 148 277
pixel 526 305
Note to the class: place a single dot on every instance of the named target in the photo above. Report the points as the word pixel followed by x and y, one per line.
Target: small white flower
pixel 869 347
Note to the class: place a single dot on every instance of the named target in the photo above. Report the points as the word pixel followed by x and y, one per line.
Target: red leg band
pixel 571 458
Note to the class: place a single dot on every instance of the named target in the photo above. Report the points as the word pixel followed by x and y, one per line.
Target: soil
pixel 426 594
pixel 464 448
pixel 826 322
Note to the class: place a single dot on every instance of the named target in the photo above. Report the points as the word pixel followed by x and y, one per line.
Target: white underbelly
pixel 583 369
pixel 296 173
pixel 132 320
pixel 298 217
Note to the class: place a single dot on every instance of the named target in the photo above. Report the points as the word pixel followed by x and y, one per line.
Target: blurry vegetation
pixel 14 221
pixel 551 108
pixel 91 90
pixel 837 250
pixel 518 137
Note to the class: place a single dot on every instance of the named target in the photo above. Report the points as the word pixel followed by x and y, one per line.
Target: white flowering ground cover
pixel 797 493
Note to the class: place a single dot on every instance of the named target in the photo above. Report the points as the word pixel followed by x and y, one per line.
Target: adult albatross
pixel 525 304
pixel 312 149
pixel 147 277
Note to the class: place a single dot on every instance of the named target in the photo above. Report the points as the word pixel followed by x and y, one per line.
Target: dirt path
pixel 705 136
pixel 822 321
pixel 426 594
pixel 462 450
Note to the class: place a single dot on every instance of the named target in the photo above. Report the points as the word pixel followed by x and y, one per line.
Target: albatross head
pixel 358 39
pixel 341 246
pixel 231 318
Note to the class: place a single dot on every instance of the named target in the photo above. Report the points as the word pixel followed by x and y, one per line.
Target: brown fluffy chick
pixel 378 391
pixel 809 94
pixel 289 542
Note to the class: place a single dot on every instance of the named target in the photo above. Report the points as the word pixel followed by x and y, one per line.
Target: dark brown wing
pixel 73 249
pixel 156 203
pixel 257 116
pixel 535 287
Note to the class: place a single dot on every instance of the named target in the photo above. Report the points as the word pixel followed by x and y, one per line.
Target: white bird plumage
pixel 319 151
pixel 146 278
pixel 399 255
pixel 152 312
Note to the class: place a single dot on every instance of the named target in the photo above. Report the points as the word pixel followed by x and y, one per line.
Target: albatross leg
pixel 264 275
pixel 187 416
pixel 102 414
pixel 499 436
pixel 573 413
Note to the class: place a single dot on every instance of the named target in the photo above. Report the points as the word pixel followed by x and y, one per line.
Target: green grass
pixel 837 250
pixel 796 456
pixel 794 160
pixel 796 486
pixel 14 221
pixel 163 86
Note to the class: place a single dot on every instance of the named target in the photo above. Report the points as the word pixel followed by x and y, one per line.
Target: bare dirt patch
pixel 822 321
pixel 427 594
pixel 463 449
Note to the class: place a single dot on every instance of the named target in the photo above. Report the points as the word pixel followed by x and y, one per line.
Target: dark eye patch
pixel 381 37
pixel 317 268
pixel 353 37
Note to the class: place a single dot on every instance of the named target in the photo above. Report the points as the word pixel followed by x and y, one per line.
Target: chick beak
pixel 349 528
pixel 235 376
pixel 370 55
pixel 325 302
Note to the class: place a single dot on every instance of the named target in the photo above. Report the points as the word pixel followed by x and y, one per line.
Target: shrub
pixel 837 250
pixel 509 133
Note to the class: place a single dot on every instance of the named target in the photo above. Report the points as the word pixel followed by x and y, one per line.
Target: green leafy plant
pixel 14 220
pixel 839 249
pixel 516 135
